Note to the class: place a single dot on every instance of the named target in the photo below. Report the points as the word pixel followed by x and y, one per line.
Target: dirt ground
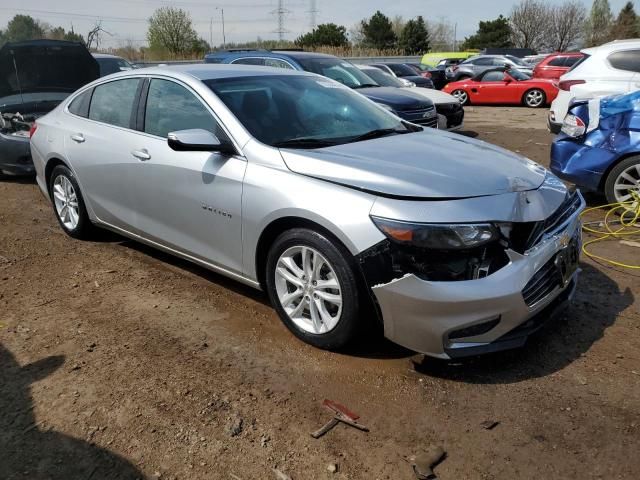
pixel 117 361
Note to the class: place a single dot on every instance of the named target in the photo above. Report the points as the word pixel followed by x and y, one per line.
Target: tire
pixel 623 174
pixel 296 297
pixel 65 191
pixel 534 98
pixel 461 95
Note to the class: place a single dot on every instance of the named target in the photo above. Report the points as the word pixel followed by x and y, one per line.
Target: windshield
pixel 303 111
pixel 518 75
pixel 402 70
pixel 337 69
pixel 517 61
pixel 383 79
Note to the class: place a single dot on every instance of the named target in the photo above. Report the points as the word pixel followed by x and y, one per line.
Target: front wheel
pixel 623 181
pixel 312 286
pixel 462 96
pixel 534 98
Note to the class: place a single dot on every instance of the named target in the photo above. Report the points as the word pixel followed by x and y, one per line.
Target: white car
pixel 609 69
pixel 449 108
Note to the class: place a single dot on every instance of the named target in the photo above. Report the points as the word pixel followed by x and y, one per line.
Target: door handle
pixel 141 155
pixel 78 138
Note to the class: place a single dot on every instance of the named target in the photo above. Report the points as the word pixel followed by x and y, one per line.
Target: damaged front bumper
pixel 452 319
pixel 15 155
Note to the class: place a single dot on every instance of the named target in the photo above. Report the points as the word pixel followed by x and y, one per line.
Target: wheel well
pixel 603 178
pixel 274 229
pixel 51 164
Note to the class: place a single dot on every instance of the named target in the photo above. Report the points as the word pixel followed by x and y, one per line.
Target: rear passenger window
pixel 80 105
pixel 249 61
pixel 112 102
pixel 276 62
pixel 171 107
pixel 571 61
pixel 628 60
pixel 557 62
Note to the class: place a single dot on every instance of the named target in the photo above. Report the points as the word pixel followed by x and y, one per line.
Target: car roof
pixel 292 54
pixel 209 71
pixel 613 46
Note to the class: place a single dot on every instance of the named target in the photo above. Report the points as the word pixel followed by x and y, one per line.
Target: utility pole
pixel 280 12
pixel 211 32
pixel 224 38
pixel 313 15
pixel 455 37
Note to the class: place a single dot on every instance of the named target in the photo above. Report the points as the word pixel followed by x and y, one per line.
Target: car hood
pixel 436 96
pixel 397 98
pixel 428 164
pixel 43 66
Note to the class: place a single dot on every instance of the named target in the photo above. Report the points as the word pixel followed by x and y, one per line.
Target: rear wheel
pixel 461 95
pixel 312 286
pixel 623 179
pixel 68 203
pixel 534 98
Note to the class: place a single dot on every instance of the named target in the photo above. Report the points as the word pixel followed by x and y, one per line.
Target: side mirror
pixel 197 140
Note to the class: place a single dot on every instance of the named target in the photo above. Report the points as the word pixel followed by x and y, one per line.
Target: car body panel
pixel 364 166
pixel 214 209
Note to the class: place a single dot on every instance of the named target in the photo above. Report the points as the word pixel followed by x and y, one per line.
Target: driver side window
pixel 171 107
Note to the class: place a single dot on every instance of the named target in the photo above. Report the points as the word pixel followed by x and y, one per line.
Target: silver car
pixel 343 213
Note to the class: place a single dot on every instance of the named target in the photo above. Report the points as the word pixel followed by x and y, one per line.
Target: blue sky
pixel 248 19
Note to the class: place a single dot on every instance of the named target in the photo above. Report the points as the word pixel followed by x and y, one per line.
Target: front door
pixel 188 201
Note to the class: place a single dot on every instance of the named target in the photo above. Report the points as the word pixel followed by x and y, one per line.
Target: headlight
pixel 573 126
pixel 438 236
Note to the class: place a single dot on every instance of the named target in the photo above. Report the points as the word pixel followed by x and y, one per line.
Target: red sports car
pixel 498 86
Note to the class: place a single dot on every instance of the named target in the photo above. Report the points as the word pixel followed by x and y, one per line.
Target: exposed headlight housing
pixel 438 236
pixel 573 126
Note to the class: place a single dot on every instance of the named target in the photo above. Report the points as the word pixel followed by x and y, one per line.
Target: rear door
pixel 99 143
pixel 188 201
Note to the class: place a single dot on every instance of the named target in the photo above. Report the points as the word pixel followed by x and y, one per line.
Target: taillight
pixel 32 130
pixel 567 84
pixel 426 74
pixel 573 126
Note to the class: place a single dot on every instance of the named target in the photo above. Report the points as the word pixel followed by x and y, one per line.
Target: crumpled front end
pixel 455 304
pixel 15 156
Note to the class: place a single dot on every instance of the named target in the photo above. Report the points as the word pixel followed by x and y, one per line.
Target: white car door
pixel 189 201
pixel 99 142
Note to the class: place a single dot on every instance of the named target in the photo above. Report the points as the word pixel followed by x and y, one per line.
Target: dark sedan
pixel 405 72
pixel 35 76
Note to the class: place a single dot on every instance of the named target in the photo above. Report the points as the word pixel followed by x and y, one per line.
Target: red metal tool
pixel 340 414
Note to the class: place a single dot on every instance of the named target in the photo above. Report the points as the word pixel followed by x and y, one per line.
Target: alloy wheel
pixel 66 202
pixel 308 289
pixel 628 181
pixel 461 95
pixel 534 98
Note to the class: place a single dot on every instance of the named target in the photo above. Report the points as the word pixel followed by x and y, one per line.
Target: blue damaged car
pixel 599 146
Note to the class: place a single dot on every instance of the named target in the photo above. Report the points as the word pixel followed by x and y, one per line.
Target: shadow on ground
pixel 596 305
pixel 29 449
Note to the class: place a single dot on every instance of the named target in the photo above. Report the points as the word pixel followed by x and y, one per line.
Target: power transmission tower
pixel 313 15
pixel 281 12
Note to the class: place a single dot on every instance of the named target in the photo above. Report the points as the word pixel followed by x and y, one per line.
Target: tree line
pixel 533 24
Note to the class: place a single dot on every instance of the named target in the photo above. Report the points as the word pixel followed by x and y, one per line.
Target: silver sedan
pixel 343 213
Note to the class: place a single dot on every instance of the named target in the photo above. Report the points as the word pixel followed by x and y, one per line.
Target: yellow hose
pixel 628 228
